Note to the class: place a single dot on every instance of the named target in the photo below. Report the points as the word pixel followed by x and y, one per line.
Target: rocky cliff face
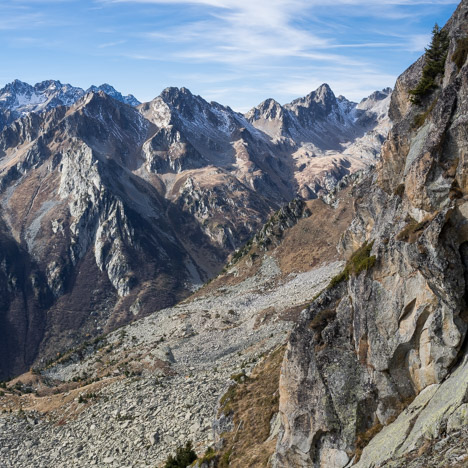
pixel 24 297
pixel 391 328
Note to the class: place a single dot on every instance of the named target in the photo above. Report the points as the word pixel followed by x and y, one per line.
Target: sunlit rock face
pixel 371 344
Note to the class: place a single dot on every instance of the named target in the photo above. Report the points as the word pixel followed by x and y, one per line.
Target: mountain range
pixel 335 336
pixel 19 98
pixel 142 204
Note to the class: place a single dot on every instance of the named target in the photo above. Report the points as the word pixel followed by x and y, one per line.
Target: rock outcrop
pixel 390 329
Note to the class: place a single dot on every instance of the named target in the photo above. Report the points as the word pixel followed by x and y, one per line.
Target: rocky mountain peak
pixel 92 99
pixel 111 91
pixel 107 88
pixel 374 98
pixel 374 108
pixel 19 98
pixel 173 95
pixel 48 84
pixel 379 95
pixel 18 85
pixel 345 104
pixel 323 94
pixel 187 105
pixel 268 109
pixel 12 94
pixel 322 98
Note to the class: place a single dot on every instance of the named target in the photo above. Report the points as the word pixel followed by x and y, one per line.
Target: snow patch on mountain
pixel 21 98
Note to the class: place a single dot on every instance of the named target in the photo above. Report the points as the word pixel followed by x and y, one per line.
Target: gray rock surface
pixel 393 331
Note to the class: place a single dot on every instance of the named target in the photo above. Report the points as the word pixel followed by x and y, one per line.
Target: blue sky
pixel 236 52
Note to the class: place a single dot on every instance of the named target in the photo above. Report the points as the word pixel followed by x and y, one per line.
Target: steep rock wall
pixel 370 344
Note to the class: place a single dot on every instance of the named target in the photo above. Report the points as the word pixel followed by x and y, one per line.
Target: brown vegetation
pixel 411 232
pixel 252 405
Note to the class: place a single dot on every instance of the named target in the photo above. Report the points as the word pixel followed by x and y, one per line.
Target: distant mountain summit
pixel 327 136
pixel 130 99
pixel 320 118
pixel 18 98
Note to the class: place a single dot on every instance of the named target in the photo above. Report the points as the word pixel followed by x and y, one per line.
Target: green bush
pixel 224 461
pixel 359 261
pixel 239 378
pixel 225 402
pixel 436 56
pixel 184 457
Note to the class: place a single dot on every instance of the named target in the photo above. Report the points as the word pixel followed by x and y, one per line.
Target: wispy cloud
pixel 36 42
pixel 234 51
pixel 242 31
pixel 10 22
pixel 271 37
pixel 110 44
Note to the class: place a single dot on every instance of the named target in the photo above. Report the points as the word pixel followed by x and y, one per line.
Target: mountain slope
pixel 89 223
pixel 131 397
pixel 80 198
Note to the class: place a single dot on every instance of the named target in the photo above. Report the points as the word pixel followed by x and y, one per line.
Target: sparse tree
pixel 184 457
pixel 436 54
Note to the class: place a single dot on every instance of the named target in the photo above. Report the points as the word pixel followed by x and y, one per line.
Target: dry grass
pixel 312 241
pixel 252 404
pixel 61 406
pixel 411 232
pixel 461 52
pixel 321 320
pixel 364 438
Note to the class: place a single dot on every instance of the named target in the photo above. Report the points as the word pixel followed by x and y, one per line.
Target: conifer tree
pixel 436 54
